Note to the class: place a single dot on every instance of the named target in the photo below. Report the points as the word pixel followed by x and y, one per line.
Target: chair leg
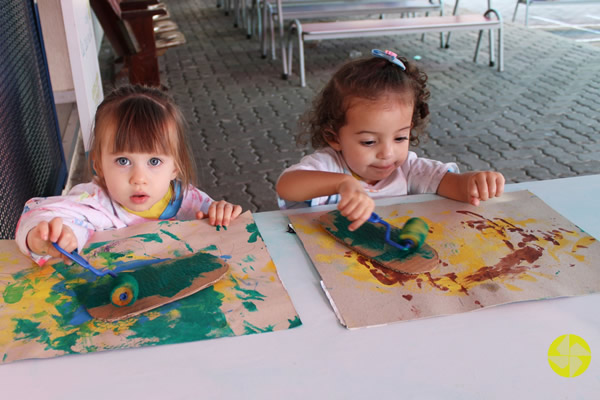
pixel 301 56
pixel 477 46
pixel 500 50
pixel 272 30
pixel 263 43
pixel 515 12
pixel 492 55
pixel 454 11
pixel 290 47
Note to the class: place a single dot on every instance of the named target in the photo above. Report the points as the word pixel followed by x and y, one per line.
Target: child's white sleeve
pixel 324 160
pixel 424 175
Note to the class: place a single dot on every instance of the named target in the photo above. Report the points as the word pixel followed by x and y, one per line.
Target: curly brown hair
pixel 141 119
pixel 367 78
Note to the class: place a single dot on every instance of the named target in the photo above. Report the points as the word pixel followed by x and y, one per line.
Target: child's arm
pixel 301 185
pixel 39 239
pixel 471 187
pixel 220 213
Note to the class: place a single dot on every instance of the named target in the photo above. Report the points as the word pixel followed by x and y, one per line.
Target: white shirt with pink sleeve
pixel 87 208
pixel 415 176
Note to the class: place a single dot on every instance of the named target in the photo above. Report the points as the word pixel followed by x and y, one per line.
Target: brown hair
pixel 369 79
pixel 140 119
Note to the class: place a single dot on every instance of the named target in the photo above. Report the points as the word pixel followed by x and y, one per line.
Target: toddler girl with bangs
pixel 143 171
pixel 361 125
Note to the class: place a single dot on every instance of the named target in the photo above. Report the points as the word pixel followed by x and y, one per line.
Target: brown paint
pixel 384 275
pixel 478 303
pixel 434 283
pixel 407 296
pixel 508 265
pixel 454 278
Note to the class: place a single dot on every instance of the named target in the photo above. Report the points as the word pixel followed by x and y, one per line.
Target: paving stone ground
pixel 536 120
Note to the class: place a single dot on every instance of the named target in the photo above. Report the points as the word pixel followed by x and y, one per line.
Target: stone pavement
pixel 537 120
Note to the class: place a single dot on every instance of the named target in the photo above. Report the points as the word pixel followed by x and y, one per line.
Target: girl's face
pixel 137 181
pixel 374 141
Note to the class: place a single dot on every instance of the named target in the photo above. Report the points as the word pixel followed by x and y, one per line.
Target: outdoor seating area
pixel 243 117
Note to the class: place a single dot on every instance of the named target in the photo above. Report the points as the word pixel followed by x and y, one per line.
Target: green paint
pixel 110 258
pixel 224 227
pixel 249 328
pixel 53 297
pixel 247 294
pixel 149 237
pixel 171 235
pixel 165 278
pixel 94 246
pixel 209 248
pixel 249 258
pixel 294 322
pixel 14 292
pixel 200 317
pixel 250 306
pixel 30 330
pixel 371 237
pixel 252 229
pixel 218 227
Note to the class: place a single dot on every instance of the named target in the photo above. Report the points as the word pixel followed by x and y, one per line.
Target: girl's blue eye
pixel 122 161
pixel 368 143
pixel 401 139
pixel 154 161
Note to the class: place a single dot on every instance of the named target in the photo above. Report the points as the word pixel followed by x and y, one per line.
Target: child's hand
pixel 221 213
pixel 484 185
pixel 356 205
pixel 40 239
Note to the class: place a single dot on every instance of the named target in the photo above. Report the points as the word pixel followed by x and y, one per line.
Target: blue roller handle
pixel 74 256
pixel 388 229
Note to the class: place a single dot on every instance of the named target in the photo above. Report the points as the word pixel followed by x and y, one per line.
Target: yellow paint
pixel 309 229
pixel 512 287
pixel 7 257
pixel 269 267
pixel 527 277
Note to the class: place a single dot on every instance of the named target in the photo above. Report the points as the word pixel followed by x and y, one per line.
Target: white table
pixel 494 353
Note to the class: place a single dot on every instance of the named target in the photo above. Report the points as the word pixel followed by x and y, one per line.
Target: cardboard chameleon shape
pixel 113 297
pixel 403 250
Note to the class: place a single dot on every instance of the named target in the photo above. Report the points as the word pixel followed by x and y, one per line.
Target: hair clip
pixel 390 56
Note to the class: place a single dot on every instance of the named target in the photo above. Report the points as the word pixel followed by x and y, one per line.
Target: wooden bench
pixel 375 27
pixel 547 2
pixel 312 9
pixel 139 33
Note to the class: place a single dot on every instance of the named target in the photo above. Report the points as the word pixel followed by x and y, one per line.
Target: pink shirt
pixel 87 208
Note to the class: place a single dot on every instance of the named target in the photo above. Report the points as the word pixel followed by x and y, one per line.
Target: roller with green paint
pixel 125 288
pixel 133 292
pixel 411 237
pixel 400 249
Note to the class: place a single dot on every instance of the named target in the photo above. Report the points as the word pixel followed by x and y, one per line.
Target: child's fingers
pixel 56 227
pixel 41 231
pixel 499 184
pixel 347 208
pixel 201 215
pixel 227 211
pixel 237 210
pixel 482 187
pixel 357 223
